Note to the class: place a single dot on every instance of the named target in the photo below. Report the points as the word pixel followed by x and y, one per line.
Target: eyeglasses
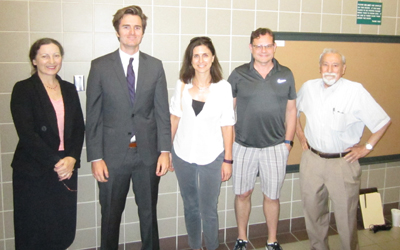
pixel 69 189
pixel 259 47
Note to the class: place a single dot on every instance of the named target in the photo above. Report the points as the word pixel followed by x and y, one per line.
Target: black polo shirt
pixel 261 104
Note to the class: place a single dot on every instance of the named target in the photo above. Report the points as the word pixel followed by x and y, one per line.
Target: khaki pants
pixel 321 179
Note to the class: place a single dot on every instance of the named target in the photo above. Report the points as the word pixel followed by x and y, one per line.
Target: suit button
pixel 133 115
pixel 44 128
pixel 129 133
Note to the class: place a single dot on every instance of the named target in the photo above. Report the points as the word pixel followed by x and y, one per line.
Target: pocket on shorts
pixel 286 150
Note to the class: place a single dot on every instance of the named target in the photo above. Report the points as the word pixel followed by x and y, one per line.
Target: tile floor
pixel 298 239
pixel 368 240
pixel 388 240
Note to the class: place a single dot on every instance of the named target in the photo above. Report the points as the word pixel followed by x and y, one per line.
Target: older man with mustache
pixel 336 110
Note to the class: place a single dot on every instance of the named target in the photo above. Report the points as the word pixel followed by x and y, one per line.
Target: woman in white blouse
pixel 202 119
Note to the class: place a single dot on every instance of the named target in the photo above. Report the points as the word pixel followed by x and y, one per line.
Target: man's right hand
pixel 304 144
pixel 100 171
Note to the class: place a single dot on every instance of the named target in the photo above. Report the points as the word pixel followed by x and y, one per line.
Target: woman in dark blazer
pixel 49 121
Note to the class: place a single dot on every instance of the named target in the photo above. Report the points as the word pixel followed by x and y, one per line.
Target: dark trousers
pixel 113 198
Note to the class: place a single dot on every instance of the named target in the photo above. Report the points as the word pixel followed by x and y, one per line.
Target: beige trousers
pixel 321 179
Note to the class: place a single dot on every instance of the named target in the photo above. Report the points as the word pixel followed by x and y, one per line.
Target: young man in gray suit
pixel 128 134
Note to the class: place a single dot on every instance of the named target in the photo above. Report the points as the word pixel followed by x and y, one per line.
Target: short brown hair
pixel 260 32
pixel 36 46
pixel 129 10
pixel 187 72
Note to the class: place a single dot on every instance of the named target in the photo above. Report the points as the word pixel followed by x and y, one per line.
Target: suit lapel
pixel 119 71
pixel 141 75
pixel 46 104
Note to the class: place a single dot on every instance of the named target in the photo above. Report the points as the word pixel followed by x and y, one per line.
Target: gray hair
pixel 332 51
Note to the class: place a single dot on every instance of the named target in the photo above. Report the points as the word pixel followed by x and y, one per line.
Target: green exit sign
pixel 369 13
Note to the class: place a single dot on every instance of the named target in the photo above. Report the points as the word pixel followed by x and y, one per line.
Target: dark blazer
pixel 36 124
pixel 111 117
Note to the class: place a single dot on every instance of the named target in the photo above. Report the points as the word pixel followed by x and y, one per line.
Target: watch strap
pixel 228 161
pixel 289 142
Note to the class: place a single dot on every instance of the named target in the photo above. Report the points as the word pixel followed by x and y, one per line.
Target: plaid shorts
pixel 269 162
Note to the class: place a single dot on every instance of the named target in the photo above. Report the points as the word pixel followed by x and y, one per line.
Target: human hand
pixel 171 166
pixel 65 167
pixel 100 171
pixel 356 152
pixel 163 164
pixel 226 171
pixel 288 146
pixel 304 144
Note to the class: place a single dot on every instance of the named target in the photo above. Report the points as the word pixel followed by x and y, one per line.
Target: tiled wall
pixel 84 28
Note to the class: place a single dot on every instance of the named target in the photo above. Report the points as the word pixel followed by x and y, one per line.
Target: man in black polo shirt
pixel 264 97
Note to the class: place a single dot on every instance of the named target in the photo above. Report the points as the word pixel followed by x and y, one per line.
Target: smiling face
pixel 331 68
pixel 263 54
pixel 202 59
pixel 130 33
pixel 48 60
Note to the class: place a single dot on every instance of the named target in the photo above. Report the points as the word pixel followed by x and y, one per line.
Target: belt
pixel 328 155
pixel 132 145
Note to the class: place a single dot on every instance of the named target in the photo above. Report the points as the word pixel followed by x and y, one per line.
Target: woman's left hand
pixel 171 167
pixel 65 167
pixel 226 171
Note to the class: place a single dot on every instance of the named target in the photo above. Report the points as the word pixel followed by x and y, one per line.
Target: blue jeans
pixel 200 186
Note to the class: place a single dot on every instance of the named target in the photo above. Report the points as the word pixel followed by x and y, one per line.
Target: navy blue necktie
pixel 130 78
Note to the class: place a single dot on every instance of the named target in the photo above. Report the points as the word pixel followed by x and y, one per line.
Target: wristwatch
pixel 289 142
pixel 369 146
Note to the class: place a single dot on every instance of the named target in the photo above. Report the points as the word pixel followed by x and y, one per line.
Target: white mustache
pixel 329 74
pixel 329 78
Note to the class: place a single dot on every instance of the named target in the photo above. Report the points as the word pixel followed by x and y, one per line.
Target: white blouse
pixel 198 139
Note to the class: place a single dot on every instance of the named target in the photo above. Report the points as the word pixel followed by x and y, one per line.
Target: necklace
pixel 195 82
pixel 202 88
pixel 53 88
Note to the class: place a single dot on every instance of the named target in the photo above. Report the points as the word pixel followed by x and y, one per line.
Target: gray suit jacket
pixel 110 117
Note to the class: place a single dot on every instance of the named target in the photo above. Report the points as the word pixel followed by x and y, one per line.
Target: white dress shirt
pixel 135 65
pixel 336 116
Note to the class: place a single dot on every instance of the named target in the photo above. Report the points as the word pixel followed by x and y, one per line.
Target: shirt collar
pixel 275 68
pixel 125 57
pixel 334 86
